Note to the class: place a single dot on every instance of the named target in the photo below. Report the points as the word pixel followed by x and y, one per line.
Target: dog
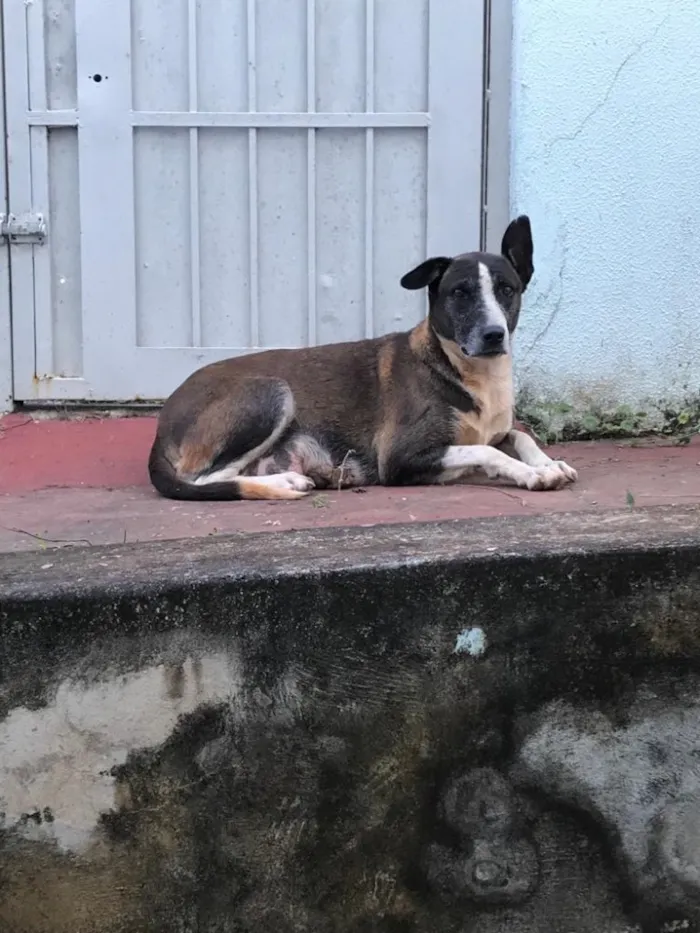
pixel 427 406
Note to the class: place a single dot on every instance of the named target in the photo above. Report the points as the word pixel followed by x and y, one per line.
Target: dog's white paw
pixel 568 471
pixel 549 476
pixel 294 482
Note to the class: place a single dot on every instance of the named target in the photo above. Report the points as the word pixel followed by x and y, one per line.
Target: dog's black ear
pixel 427 273
pixel 517 248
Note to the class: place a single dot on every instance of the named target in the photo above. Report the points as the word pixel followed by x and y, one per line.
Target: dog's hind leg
pixel 228 437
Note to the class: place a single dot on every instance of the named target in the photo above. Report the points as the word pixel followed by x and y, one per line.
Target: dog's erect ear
pixel 517 248
pixel 427 273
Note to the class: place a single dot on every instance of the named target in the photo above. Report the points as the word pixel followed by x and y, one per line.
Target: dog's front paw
pixel 568 471
pixel 549 476
pixel 293 482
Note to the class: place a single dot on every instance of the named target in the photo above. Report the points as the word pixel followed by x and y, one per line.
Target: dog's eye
pixel 507 291
pixel 458 293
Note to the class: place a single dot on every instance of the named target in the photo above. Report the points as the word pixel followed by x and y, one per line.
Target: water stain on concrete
pixel 245 744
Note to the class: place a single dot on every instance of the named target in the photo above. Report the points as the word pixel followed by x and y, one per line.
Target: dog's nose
pixel 493 337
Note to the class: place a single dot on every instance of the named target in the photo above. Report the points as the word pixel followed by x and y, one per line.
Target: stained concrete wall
pixel 371 730
pixel 605 110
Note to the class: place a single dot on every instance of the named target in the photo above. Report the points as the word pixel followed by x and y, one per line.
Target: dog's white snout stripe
pixel 494 312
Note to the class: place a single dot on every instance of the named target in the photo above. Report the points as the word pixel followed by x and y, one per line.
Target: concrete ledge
pixel 355 730
pixel 182 563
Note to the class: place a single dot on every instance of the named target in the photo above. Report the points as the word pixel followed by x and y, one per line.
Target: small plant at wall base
pixel 554 422
pixel 684 424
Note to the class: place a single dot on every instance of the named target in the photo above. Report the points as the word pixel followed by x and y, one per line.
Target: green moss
pixel 554 421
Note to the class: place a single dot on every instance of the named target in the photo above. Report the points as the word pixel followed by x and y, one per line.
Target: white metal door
pixel 223 175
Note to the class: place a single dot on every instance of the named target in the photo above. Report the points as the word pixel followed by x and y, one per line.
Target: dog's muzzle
pixel 492 342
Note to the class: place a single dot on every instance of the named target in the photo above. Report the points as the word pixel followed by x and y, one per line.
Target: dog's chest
pixel 493 417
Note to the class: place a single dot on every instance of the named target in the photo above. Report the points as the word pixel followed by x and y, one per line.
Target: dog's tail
pixel 170 485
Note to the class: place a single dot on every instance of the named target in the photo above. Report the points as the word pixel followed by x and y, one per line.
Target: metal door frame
pixel 28 190
pixel 6 363
pixel 495 174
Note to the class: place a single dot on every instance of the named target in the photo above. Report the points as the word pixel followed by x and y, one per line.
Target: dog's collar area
pixel 457 394
pixel 438 361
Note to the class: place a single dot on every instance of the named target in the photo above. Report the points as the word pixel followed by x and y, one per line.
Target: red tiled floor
pixel 97 452
pixel 85 481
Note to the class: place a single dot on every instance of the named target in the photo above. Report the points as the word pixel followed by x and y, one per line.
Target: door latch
pixel 23 229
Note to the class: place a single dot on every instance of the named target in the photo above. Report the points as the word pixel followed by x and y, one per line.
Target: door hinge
pixel 23 228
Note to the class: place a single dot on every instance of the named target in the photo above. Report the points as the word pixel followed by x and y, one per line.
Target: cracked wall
pixel 605 108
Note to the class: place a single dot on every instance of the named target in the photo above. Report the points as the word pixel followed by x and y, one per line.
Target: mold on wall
pixel 605 106
pixel 356 731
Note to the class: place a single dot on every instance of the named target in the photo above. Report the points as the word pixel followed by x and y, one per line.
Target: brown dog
pixel 428 406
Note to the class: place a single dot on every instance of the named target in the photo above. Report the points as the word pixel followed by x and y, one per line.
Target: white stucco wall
pixel 606 161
